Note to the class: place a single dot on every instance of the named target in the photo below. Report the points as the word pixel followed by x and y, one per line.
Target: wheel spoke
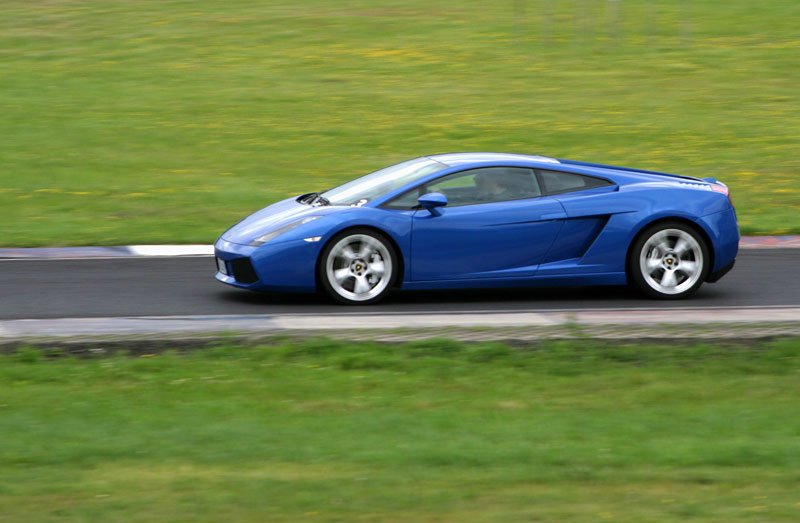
pixel 377 268
pixel 347 253
pixel 342 275
pixel 362 285
pixel 367 249
pixel 653 263
pixel 688 267
pixel 681 246
pixel 663 246
pixel 668 279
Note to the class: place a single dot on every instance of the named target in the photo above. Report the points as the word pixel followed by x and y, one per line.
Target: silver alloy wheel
pixel 359 267
pixel 671 261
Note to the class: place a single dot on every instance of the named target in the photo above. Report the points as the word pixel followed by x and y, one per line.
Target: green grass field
pixel 430 431
pixel 166 121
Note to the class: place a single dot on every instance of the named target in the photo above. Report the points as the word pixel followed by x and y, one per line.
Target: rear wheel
pixel 357 267
pixel 669 260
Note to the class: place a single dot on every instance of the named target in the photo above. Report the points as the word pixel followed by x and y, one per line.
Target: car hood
pixel 272 217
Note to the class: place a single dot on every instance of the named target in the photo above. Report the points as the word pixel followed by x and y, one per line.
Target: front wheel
pixel 357 267
pixel 669 261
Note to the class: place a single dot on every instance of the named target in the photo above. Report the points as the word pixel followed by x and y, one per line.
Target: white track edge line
pixel 203 250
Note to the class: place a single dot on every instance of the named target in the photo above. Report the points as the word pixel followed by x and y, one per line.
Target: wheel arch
pixel 685 221
pixel 401 262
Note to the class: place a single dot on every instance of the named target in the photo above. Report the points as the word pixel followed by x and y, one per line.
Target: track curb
pixel 120 251
pixel 654 325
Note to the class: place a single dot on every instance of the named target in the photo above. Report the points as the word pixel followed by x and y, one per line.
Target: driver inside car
pixel 491 187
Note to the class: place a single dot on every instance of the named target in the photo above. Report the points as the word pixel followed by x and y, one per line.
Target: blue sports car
pixel 470 220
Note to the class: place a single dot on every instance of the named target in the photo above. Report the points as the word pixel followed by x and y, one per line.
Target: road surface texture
pixel 185 286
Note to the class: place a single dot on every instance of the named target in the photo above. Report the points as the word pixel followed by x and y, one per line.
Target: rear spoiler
pixel 624 169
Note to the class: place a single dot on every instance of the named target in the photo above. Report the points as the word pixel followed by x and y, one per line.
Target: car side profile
pixel 482 220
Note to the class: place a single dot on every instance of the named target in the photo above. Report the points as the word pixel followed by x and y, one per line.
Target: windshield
pixel 361 190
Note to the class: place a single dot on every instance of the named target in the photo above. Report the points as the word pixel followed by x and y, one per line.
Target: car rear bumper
pixel 723 231
pixel 715 276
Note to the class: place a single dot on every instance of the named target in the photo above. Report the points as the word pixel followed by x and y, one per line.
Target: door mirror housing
pixel 432 201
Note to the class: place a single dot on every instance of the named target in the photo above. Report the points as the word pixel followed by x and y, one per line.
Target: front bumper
pixel 283 267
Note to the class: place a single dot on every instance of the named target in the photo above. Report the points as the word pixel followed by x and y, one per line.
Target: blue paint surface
pixel 561 236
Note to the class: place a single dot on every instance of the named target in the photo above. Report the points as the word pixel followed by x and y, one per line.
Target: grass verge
pixel 164 122
pixel 426 431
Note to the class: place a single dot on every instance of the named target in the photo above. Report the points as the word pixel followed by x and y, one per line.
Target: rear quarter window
pixel 557 182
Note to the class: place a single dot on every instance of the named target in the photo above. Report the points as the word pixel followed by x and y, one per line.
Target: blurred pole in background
pixel 651 24
pixel 685 21
pixel 520 8
pixel 587 21
pixel 587 24
pixel 613 21
pixel 546 18
pixel 577 13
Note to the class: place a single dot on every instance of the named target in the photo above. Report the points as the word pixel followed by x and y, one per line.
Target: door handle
pixel 554 216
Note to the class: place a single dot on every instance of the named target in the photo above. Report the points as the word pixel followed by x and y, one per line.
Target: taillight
pixel 721 188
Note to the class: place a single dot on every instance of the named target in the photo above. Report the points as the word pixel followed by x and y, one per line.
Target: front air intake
pixel 243 271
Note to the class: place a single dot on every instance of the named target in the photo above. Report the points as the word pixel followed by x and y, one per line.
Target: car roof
pixel 621 174
pixel 457 159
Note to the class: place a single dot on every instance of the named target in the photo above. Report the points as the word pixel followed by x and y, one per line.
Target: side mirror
pixel 432 201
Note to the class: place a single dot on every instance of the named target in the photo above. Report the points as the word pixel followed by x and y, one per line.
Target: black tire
pixel 363 284
pixel 669 261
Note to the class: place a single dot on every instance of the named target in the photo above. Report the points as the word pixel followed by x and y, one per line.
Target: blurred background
pixel 166 121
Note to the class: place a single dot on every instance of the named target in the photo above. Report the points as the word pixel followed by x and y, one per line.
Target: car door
pixel 496 225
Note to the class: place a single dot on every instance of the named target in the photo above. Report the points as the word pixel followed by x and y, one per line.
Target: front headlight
pixel 261 240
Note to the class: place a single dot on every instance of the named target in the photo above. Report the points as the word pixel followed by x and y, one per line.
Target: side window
pixel 486 185
pixel 555 182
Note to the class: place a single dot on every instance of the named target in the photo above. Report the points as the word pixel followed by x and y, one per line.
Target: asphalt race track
pixel 130 287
